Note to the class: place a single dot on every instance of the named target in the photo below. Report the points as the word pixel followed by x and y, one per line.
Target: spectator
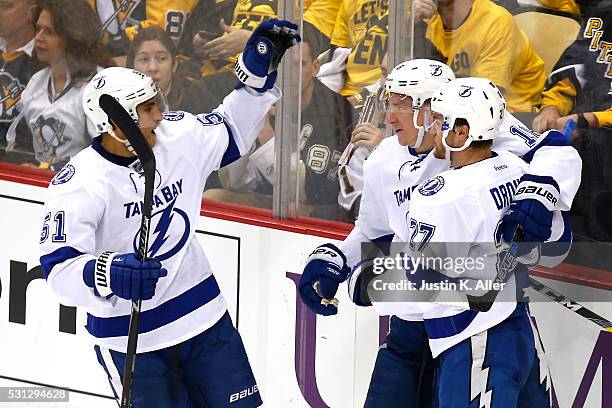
pixel 154 53
pixel 480 39
pixel 321 15
pixel 568 6
pixel 359 44
pixel 68 41
pixel 326 121
pixel 579 89
pixel 121 20
pixel 18 66
pixel 216 56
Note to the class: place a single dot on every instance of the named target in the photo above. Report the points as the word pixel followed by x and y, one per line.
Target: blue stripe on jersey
pixel 48 262
pixel 159 316
pixel 232 153
pixel 384 243
pixel 449 326
pixel 553 138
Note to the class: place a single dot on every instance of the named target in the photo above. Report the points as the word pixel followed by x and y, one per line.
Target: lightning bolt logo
pixel 162 228
pixel 480 374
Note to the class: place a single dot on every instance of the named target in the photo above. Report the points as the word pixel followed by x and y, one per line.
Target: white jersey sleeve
pixel 549 154
pixel 242 114
pixel 372 222
pixel 68 237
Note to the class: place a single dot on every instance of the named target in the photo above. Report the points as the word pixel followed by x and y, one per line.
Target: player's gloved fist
pixel 123 275
pixel 532 211
pixel 256 66
pixel 325 270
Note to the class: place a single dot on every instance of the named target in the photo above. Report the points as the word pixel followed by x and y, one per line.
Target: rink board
pixel 319 362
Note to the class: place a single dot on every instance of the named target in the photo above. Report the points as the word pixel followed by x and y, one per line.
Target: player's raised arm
pixel 231 129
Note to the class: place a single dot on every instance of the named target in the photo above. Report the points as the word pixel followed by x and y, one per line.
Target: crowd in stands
pixel 50 48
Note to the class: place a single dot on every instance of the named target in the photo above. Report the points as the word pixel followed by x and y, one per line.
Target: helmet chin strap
pixel 126 142
pixel 421 130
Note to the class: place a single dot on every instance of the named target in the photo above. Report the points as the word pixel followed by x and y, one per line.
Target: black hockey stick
pixel 505 267
pixel 124 121
pixel 569 304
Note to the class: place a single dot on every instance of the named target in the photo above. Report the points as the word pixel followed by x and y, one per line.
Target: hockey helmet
pixel 128 86
pixel 476 100
pixel 419 79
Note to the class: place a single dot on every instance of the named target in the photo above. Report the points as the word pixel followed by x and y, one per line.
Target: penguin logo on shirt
pixel 48 134
pixel 10 94
pixel 115 15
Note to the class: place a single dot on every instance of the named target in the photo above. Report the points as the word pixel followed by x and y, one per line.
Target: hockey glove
pixel 325 270
pixel 256 66
pixel 123 275
pixel 531 210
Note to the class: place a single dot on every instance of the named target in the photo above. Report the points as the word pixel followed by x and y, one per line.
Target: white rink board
pixel 251 264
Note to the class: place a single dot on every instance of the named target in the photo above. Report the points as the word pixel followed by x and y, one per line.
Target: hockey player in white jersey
pixel 189 354
pixel 392 172
pixel 487 359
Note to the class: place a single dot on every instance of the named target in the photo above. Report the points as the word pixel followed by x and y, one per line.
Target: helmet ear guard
pixel 476 100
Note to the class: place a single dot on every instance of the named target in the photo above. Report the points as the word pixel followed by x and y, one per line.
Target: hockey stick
pixel 505 267
pixel 124 121
pixel 569 304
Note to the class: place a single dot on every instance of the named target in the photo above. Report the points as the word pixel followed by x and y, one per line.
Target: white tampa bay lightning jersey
pixel 392 172
pixel 59 126
pixel 94 204
pixel 454 215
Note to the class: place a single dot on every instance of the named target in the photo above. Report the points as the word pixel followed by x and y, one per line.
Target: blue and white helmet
pixel 478 101
pixel 128 86
pixel 419 79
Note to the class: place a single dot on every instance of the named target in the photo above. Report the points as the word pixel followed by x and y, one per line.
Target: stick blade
pixel 118 114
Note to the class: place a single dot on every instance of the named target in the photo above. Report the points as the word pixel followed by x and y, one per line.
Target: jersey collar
pixel 96 144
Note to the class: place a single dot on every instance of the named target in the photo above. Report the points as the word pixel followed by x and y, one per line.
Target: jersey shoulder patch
pixel 64 175
pixel 174 116
pixel 432 186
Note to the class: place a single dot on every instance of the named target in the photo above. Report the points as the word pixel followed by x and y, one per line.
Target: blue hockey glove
pixel 123 275
pixel 256 66
pixel 325 270
pixel 531 211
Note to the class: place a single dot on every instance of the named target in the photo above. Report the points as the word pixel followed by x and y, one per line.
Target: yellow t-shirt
pixel 171 15
pixel 490 45
pixel 362 26
pixel 322 14
pixel 569 6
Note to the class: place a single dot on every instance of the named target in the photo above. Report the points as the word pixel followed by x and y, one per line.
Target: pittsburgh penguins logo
pixel 115 14
pixel 48 134
pixel 465 91
pixel 10 94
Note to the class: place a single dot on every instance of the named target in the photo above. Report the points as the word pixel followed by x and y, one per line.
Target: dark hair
pixel 476 144
pixel 153 33
pixel 76 23
pixel 312 36
pixel 180 81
